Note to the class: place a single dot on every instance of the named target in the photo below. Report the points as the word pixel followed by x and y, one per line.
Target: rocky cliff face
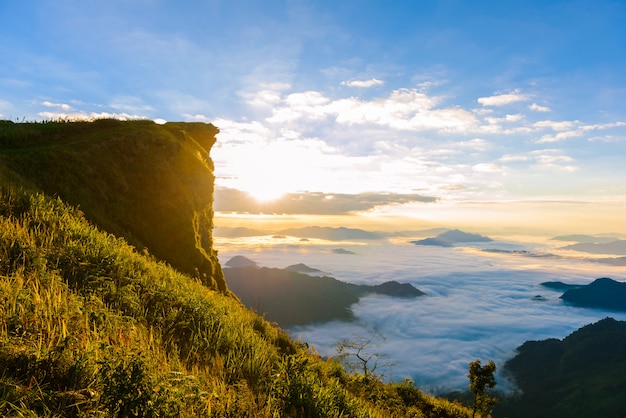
pixel 151 184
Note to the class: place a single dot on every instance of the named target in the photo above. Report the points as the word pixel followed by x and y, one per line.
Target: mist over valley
pixel 482 300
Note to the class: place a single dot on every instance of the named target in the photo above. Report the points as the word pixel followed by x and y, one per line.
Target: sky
pixel 505 114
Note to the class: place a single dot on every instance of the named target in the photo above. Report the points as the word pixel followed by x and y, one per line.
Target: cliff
pixel 151 184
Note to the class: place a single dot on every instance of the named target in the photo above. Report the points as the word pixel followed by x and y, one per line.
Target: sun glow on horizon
pixel 266 192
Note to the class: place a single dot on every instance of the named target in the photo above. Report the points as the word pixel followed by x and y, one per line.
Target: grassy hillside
pixel 93 326
pixel 151 184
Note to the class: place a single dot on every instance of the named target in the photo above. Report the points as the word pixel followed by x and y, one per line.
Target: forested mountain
pixel 579 376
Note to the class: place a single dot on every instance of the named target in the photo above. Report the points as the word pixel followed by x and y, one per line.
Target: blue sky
pixel 437 110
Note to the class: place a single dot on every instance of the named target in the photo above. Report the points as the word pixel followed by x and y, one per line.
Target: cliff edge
pixel 151 184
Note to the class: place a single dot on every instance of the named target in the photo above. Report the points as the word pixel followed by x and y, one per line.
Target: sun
pixel 265 186
pixel 267 171
pixel 266 192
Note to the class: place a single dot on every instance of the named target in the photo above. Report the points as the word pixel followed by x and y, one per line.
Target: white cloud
pixel 238 133
pixel 510 158
pixel 503 99
pixel 309 105
pixel 579 131
pixel 552 159
pixel 514 118
pixel 130 104
pixel 487 168
pixel 561 136
pixel 505 119
pixel 61 106
pixel 403 109
pixel 556 125
pixel 356 144
pixel 363 83
pixel 538 108
pixel 602 126
pixel 608 138
pixel 476 143
pixel 84 116
pixel 268 95
pixel 546 159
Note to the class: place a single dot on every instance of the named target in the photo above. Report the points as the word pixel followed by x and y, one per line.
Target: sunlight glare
pixel 264 192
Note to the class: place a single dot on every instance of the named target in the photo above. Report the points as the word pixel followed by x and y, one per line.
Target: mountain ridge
pixel 452 237
pixel 291 297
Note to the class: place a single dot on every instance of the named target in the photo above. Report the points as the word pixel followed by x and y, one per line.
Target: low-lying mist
pixel 479 305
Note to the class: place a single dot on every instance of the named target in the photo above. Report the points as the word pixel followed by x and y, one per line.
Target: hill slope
pixel 90 326
pixel 602 293
pixel 581 375
pixel 151 184
pixel 294 298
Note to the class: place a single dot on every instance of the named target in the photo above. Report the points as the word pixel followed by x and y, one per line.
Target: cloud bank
pixel 363 83
pixel 316 203
pixel 478 305
pixel 404 141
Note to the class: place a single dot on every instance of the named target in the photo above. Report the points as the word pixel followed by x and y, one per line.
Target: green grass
pixel 93 326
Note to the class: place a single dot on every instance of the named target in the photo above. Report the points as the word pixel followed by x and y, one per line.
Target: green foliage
pixel 581 375
pixel 482 378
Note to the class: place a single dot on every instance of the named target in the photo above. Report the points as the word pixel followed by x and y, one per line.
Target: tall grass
pixel 90 326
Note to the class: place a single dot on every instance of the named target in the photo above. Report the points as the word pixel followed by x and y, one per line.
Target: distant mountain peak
pixel 332 234
pixel 457 235
pixel 451 237
pixel 616 247
pixel 393 288
pixel 603 293
pixel 240 261
pixel 301 268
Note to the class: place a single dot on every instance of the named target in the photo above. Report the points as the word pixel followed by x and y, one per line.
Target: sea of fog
pixel 479 304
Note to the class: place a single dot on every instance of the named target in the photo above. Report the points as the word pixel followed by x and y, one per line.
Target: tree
pixel 358 354
pixel 482 378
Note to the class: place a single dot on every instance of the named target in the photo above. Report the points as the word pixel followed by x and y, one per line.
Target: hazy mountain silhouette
pixel 342 251
pixel 452 237
pixel 561 285
pixel 291 297
pixel 617 247
pixel 332 234
pixel 603 293
pixel 237 232
pixel 240 261
pixel 302 268
pixel 581 238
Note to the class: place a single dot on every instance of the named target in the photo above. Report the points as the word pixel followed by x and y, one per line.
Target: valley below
pixel 482 300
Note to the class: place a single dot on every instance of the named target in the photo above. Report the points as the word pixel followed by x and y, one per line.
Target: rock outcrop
pixel 151 184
